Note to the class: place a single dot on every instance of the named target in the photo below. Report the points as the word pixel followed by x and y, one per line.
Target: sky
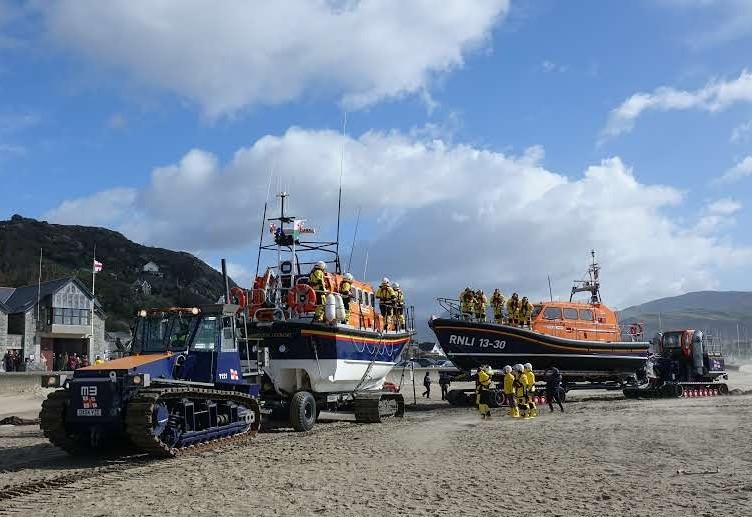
pixel 490 143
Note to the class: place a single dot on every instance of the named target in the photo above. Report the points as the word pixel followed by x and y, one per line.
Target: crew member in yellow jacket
pixel 509 392
pixel 532 408
pixel 513 309
pixel 520 389
pixel 485 374
pixel 317 281
pixel 497 303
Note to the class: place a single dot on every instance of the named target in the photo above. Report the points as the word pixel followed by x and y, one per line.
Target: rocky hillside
pixel 182 278
pixel 717 312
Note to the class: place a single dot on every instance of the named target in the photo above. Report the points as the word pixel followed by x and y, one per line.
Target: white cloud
pixel 550 66
pixel 117 121
pixel 717 215
pixel 714 96
pixel 12 122
pixel 238 53
pixel 739 171
pixel 105 208
pixel 741 132
pixel 722 20
pixel 441 216
pixel 725 206
pixel 12 150
pixel 239 273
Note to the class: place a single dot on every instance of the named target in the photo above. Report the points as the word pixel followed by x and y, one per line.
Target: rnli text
pixel 470 341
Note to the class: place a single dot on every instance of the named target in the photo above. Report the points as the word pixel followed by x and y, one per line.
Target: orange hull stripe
pixel 560 347
pixel 124 363
pixel 347 336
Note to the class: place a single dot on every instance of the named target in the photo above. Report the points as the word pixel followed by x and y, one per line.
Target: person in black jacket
pixel 444 381
pixel 554 390
pixel 427 385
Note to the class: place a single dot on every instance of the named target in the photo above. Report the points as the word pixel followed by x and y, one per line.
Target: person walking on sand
pixel 554 390
pixel 444 381
pixel 427 385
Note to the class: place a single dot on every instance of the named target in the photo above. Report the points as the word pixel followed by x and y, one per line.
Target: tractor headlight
pixel 140 380
pixel 53 381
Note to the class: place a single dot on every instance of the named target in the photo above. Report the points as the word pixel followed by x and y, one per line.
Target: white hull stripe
pixel 594 356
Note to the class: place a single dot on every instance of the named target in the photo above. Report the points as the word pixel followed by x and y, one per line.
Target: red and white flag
pixel 97 266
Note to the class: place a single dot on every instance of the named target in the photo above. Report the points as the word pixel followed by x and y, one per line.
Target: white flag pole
pixel 93 297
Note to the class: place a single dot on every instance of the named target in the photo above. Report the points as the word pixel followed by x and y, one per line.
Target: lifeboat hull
pixel 335 359
pixel 471 344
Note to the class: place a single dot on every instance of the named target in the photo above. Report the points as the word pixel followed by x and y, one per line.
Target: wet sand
pixel 604 455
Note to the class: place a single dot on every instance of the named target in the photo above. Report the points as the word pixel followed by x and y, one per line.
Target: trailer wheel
pixel 457 398
pixel 303 411
pixel 497 398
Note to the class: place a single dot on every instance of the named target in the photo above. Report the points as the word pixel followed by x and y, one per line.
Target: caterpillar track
pixel 151 418
pixel 373 408
pixel 143 408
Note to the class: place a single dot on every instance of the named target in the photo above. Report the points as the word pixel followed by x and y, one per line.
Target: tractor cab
pixel 201 343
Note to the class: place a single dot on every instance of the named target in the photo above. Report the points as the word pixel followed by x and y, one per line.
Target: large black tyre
pixel 458 398
pixel 496 398
pixel 303 411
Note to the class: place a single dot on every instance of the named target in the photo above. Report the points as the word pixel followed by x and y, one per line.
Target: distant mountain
pixel 717 312
pixel 182 279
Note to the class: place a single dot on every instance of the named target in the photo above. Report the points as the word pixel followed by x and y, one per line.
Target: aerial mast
pixel 592 286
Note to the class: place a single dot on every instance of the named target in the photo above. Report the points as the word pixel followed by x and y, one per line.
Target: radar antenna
pixel 590 285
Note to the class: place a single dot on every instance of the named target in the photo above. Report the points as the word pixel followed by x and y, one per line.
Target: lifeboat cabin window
pixel 570 314
pixel 586 314
pixel 359 296
pixel 536 310
pixel 552 313
pixel 372 300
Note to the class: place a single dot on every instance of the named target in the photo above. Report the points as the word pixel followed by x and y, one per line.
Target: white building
pixel 150 267
pixel 51 318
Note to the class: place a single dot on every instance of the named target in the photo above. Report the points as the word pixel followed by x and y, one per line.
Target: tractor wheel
pixel 303 411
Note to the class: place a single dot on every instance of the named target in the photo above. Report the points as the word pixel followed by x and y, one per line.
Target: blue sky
pixel 515 101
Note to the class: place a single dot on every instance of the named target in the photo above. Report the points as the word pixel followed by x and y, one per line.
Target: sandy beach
pixel 604 455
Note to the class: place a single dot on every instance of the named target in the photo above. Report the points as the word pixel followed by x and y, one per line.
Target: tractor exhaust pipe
pixel 226 281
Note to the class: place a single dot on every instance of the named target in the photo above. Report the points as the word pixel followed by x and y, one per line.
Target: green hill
pixel 716 312
pixel 183 279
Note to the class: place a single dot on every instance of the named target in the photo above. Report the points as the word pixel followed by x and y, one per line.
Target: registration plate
pixel 88 412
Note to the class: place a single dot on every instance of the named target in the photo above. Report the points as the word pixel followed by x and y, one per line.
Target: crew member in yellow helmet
pixel 520 389
pixel 530 392
pixel 485 374
pixel 509 392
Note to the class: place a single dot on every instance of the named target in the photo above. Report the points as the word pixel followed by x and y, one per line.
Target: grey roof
pixel 5 293
pixel 25 297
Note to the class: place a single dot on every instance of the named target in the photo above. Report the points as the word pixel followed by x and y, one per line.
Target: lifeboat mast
pixel 289 240
pixel 591 285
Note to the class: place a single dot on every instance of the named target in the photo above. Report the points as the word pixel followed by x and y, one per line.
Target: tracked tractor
pixel 685 363
pixel 181 389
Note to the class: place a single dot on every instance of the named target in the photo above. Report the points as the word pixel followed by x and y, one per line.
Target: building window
pixel 71 316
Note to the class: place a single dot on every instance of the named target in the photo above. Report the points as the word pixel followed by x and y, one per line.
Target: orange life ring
pixel 257 293
pixel 238 294
pixel 302 298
